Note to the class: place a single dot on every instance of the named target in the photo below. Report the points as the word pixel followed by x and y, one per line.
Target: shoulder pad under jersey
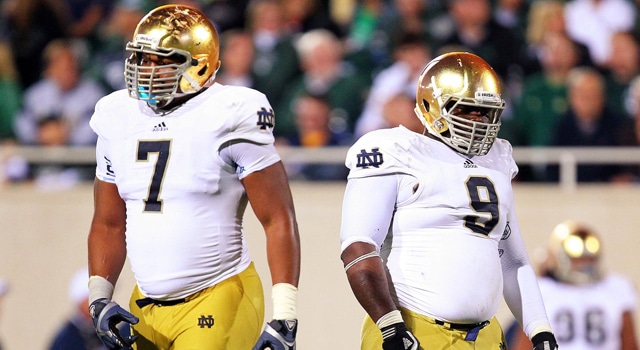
pixel 380 152
pixel 252 115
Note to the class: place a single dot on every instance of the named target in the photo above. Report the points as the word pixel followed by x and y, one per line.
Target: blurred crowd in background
pixel 334 70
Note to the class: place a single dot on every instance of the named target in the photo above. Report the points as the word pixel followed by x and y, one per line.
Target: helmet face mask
pixel 174 53
pixel 458 100
pixel 574 254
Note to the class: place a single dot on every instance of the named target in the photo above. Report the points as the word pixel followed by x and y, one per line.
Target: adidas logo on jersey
pixel 160 127
pixel 469 164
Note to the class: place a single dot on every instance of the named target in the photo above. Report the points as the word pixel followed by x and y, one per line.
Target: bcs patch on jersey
pixel 370 159
pixel 265 118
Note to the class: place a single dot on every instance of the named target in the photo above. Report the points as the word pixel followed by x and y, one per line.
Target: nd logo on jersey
pixel 367 159
pixel 265 118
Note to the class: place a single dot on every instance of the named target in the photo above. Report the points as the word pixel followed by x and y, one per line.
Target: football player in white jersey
pixel 178 159
pixel 430 239
pixel 588 308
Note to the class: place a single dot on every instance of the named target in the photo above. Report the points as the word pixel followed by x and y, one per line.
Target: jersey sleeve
pixel 505 156
pixel 104 169
pixel 380 152
pixel 520 285
pixel 248 157
pixel 253 118
pixel 626 292
pixel 367 210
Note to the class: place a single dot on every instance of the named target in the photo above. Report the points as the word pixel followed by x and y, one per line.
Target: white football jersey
pixel 451 213
pixel 588 316
pixel 185 205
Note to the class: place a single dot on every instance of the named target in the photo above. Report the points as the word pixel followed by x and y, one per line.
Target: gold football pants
pixel 435 335
pixel 229 315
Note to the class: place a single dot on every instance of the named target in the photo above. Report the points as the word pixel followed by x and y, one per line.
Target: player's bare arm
pixel 270 197
pixel 107 248
pixel 368 279
pixel 628 336
pixel 107 254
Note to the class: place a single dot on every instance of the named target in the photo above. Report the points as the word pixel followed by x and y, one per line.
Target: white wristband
pixel 540 329
pixel 99 288
pixel 390 318
pixel 284 296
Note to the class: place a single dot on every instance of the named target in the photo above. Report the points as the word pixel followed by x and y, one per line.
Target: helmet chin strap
pixel 194 84
pixel 421 118
pixel 429 128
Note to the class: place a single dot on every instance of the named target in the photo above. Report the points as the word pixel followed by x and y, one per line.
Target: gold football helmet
pixel 185 48
pixel 451 85
pixel 574 254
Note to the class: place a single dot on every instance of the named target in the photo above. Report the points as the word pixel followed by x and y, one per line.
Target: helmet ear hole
pixel 426 105
pixel 203 70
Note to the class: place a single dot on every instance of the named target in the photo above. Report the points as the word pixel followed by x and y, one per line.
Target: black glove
pixel 544 341
pixel 278 335
pixel 112 324
pixel 398 337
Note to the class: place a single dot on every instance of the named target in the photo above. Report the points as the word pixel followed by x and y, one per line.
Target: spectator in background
pixel 477 31
pixel 325 72
pixel 226 14
pixel 10 93
pixel 276 60
pixel 301 16
pixel 106 63
pixel 58 107
pixel 84 18
pixel 543 101
pixel 399 110
pixel 57 110
pixel 411 54
pixel 543 17
pixel 364 45
pixel 78 332
pixel 631 135
pixel 361 33
pixel 512 14
pixel 588 123
pixel 30 26
pixel 593 23
pixel 633 104
pixel 623 65
pixel 422 18
pixel 314 127
pixel 12 166
pixel 237 53
pixel 546 17
pixel 587 307
pixel 544 94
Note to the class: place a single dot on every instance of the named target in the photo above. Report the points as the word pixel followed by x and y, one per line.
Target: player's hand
pixel 544 341
pixel 278 335
pixel 109 319
pixel 398 337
